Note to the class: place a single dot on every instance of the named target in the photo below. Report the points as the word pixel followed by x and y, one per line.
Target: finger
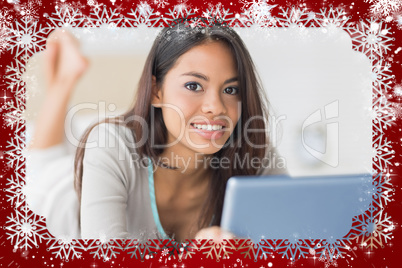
pixel 50 60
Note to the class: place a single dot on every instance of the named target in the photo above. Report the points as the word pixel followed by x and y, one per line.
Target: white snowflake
pixel 29 10
pixel 264 248
pixel 383 154
pixel 4 37
pixel 397 109
pixel 216 13
pixel 144 9
pixel 371 38
pixel 382 77
pixel 399 21
pixel 331 251
pixel 105 249
pixel 27 38
pixel 104 18
pixel 259 12
pixel 14 150
pixel 141 248
pixel 67 248
pixel 294 16
pixel 141 15
pixel 397 90
pixel 179 11
pixel 332 17
pixel 292 250
pixel 5 18
pixel 14 191
pixel 15 83
pixel 328 259
pixel 14 74
pixel 384 8
pixel 66 17
pixel 26 229
pixel 14 113
pixel 383 189
pixel 382 113
pixel 376 228
pixel 160 3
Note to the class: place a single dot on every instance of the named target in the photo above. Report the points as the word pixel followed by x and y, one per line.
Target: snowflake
pixel 4 37
pixel 397 91
pixel 144 9
pixel 399 21
pixel 141 15
pixel 160 3
pixel 27 39
pixel 14 115
pixel 382 113
pixel 165 252
pixel 177 249
pixel 94 4
pixel 383 8
pixel 180 11
pixel 216 13
pixel 371 38
pixel 328 261
pixel 260 12
pixel 260 250
pixel 376 228
pixel 382 154
pixel 215 250
pixel 26 229
pixel 67 248
pixel 104 18
pixel 397 108
pixel 14 74
pixel 382 189
pixel 14 149
pixel 14 191
pixel 331 250
pixel 66 17
pixel 5 18
pixel 15 83
pixel 293 16
pixel 62 5
pixel 141 249
pixel 29 10
pixel 382 77
pixel 332 17
pixel 291 250
pixel 105 249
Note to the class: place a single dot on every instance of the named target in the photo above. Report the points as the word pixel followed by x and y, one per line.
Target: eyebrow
pixel 206 78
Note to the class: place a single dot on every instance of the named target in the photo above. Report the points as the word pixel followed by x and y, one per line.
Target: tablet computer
pixel 281 207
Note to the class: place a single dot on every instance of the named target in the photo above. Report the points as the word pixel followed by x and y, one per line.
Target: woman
pixel 198 117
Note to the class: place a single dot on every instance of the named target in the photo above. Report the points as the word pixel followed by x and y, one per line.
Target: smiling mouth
pixel 208 127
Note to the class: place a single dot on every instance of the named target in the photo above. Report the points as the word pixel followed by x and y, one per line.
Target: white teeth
pixel 208 127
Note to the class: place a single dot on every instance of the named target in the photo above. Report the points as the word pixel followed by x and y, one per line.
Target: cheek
pixel 177 112
pixel 234 111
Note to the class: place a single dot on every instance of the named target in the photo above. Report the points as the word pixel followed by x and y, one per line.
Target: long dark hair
pixel 170 44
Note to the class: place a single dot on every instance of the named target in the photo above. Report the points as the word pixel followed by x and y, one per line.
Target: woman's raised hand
pixel 64 63
pixel 63 66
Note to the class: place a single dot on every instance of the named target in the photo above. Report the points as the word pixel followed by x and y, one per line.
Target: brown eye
pixel 231 90
pixel 193 86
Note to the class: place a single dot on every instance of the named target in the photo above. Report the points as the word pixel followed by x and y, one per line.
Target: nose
pixel 213 104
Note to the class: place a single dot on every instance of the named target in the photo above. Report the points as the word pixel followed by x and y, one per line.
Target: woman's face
pixel 200 99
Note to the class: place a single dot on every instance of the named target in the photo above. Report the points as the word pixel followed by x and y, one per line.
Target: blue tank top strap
pixel 153 201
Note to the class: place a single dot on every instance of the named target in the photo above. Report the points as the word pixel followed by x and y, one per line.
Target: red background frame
pixel 361 257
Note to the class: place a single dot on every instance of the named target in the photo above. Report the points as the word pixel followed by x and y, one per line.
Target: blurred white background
pixel 316 84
